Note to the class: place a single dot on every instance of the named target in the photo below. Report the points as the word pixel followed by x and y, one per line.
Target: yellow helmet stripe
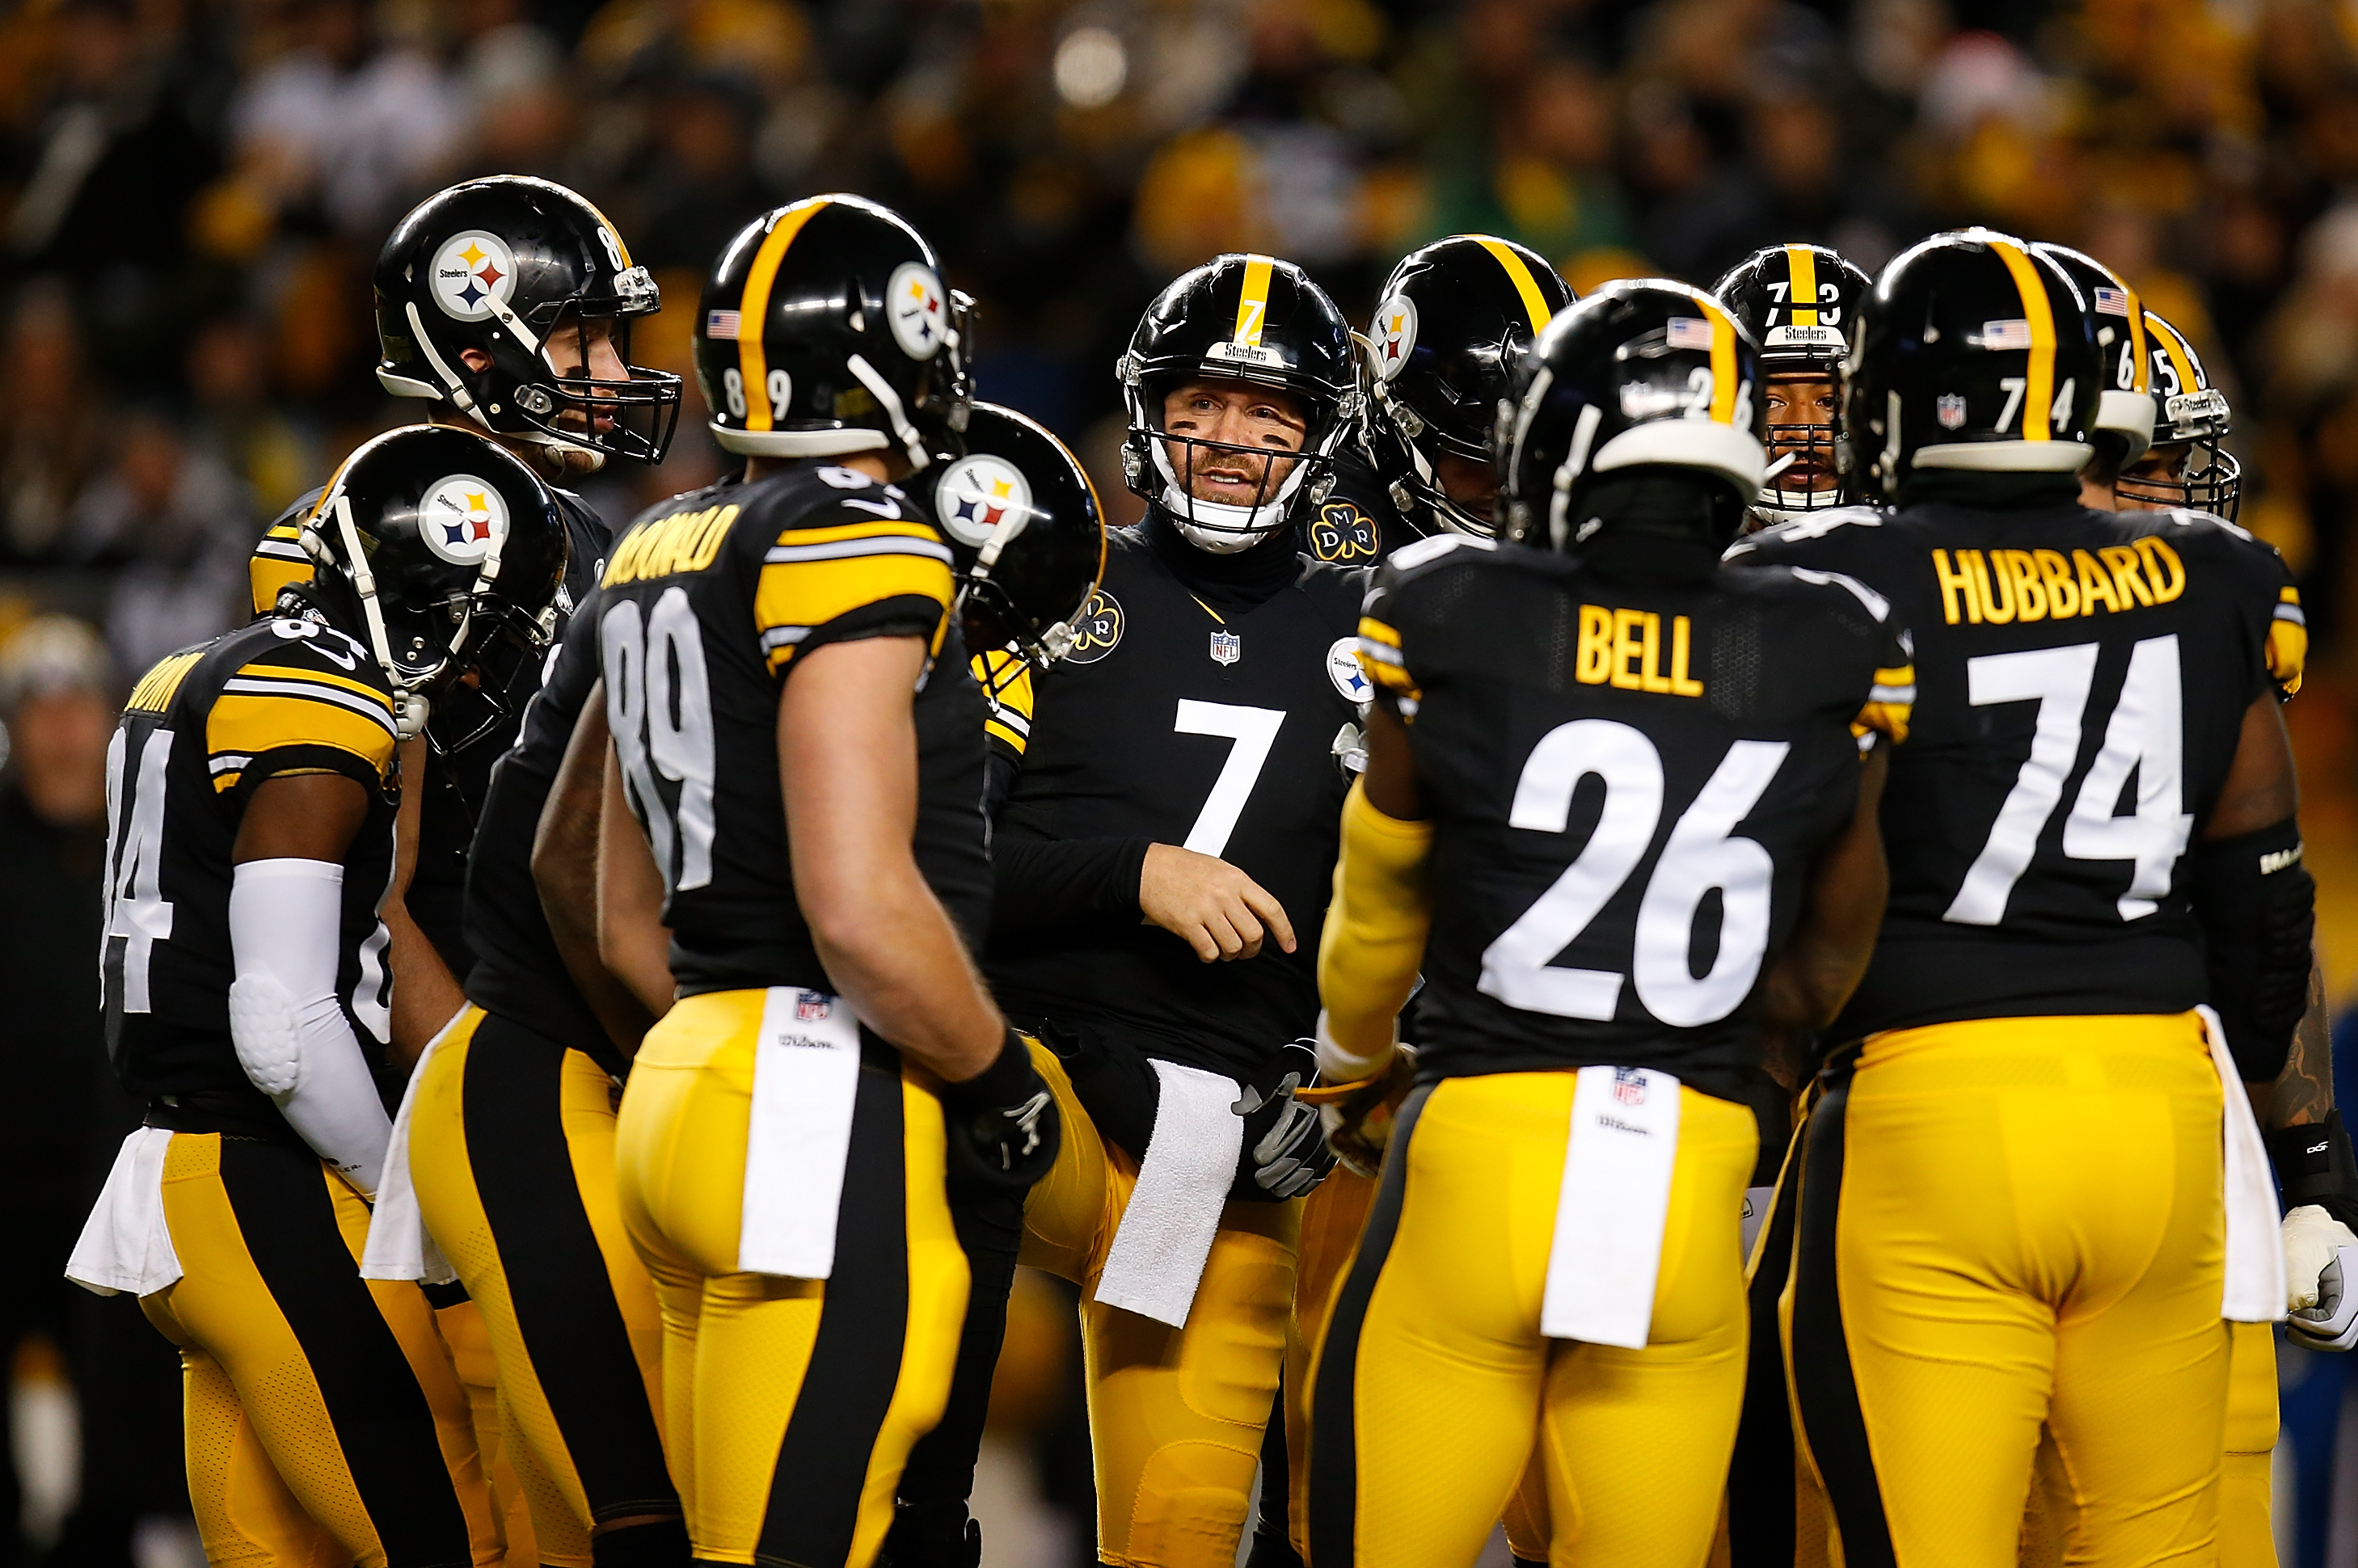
pixel 620 248
pixel 1801 266
pixel 2137 339
pixel 2179 360
pixel 1722 359
pixel 753 306
pixel 2036 309
pixel 1253 301
pixel 1519 272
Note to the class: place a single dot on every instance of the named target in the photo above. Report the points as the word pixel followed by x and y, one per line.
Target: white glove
pixel 2321 1279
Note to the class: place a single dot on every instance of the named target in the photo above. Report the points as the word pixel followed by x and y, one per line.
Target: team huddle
pixel 1675 919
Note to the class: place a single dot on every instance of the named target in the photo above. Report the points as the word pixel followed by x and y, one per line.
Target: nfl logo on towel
pixel 1629 1085
pixel 1227 647
pixel 1950 407
pixel 811 1007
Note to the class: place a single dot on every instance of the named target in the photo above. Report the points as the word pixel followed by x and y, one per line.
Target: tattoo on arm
pixel 2304 1090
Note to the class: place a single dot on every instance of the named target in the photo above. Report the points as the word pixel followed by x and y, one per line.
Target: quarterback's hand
pixel 1357 1116
pixel 1209 905
pixel 2321 1280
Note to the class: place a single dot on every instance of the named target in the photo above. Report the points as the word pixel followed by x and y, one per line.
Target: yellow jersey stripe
pixel 1253 301
pixel 795 600
pixel 305 673
pixel 1519 273
pixel 245 726
pixel 2040 392
pixel 753 306
pixel 1376 631
pixel 1723 363
pixel 156 688
pixel 840 531
pixel 1801 266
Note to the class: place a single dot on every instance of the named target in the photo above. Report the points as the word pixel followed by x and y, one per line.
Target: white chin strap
pixel 1216 527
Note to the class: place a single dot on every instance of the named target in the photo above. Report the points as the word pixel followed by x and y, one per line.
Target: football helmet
pixel 1026 536
pixel 1249 318
pixel 430 542
pixel 1799 302
pixel 1970 352
pixel 1453 320
pixel 1645 379
pixel 2123 427
pixel 825 330
pixel 2190 423
pixel 499 265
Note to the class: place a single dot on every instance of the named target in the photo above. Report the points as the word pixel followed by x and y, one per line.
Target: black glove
pixel 1286 1152
pixel 1001 1123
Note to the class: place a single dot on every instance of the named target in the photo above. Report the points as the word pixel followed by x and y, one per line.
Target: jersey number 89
pixel 660 707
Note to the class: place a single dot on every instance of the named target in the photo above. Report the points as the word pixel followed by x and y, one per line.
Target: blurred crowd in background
pixel 192 193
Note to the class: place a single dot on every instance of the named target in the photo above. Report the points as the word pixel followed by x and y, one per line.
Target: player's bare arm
pixel 425 993
pixel 1827 955
pixel 633 944
pixel 565 856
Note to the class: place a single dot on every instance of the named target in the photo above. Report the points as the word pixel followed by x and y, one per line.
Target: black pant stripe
pixel 557 1278
pixel 855 1361
pixel 382 1422
pixel 1825 1388
pixel 1760 1521
pixel 1334 1504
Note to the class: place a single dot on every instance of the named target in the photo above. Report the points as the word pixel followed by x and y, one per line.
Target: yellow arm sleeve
pixel 1374 940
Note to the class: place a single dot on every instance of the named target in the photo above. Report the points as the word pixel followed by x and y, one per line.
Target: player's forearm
pixel 565 849
pixel 1374 938
pixel 1053 884
pixel 2303 1093
pixel 1826 956
pixel 633 944
pixel 890 949
pixel 426 995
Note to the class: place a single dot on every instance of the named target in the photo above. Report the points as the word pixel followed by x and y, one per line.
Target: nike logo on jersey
pixel 2042 585
pixel 1624 648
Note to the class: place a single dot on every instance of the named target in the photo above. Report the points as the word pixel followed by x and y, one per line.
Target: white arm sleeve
pixel 291 1034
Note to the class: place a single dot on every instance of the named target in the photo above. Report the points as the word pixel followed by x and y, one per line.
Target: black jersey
pixel 518 972
pixel 1628 785
pixel 1171 722
pixel 2083 678
pixel 708 602
pixel 202 731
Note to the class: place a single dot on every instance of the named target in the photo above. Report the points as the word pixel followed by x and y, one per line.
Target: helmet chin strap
pixel 410 707
pixel 893 410
pixel 590 459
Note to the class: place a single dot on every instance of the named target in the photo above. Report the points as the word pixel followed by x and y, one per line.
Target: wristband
pixel 2314 1164
pixel 1007 1081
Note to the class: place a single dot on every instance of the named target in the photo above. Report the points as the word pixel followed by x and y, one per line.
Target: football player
pixel 2124 424
pixel 2188 464
pixel 1453 320
pixel 1171 826
pixel 793 726
pixel 251 794
pixel 1631 765
pixel 1798 301
pixel 2044 954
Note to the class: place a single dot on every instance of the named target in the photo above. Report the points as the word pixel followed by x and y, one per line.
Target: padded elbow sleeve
pixel 2258 906
pixel 290 1031
pixel 1374 938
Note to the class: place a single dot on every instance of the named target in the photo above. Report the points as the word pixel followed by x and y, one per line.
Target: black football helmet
pixel 1644 380
pixel 1026 535
pixel 2188 464
pixel 428 543
pixel 2123 426
pixel 1239 317
pixel 1972 352
pixel 1799 302
pixel 1453 320
pixel 498 265
pixel 825 330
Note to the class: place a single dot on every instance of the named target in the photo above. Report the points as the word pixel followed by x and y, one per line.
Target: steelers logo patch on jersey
pixel 914 305
pixel 978 495
pixel 471 271
pixel 1343 533
pixel 1343 669
pixel 461 517
pixel 1395 335
pixel 1096 629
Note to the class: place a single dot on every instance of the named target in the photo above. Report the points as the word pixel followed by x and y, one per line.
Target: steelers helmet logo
pixel 460 518
pixel 919 310
pixel 1394 330
pixel 471 271
pixel 978 495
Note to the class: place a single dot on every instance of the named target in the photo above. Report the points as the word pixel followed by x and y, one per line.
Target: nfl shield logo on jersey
pixel 813 1007
pixel 1629 1085
pixel 1227 647
pixel 1950 407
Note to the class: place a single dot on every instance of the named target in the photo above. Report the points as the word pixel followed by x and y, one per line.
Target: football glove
pixel 2321 1279
pixel 1002 1126
pixel 1286 1152
pixel 1357 1116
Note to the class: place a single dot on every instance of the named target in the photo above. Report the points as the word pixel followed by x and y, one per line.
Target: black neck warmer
pixel 1989 492
pixel 1241 581
pixel 1656 528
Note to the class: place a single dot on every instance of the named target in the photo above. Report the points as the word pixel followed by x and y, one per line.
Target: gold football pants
pixel 789 1405
pixel 325 1423
pixel 2011 1229
pixel 1176 1414
pixel 511 1153
pixel 1434 1388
